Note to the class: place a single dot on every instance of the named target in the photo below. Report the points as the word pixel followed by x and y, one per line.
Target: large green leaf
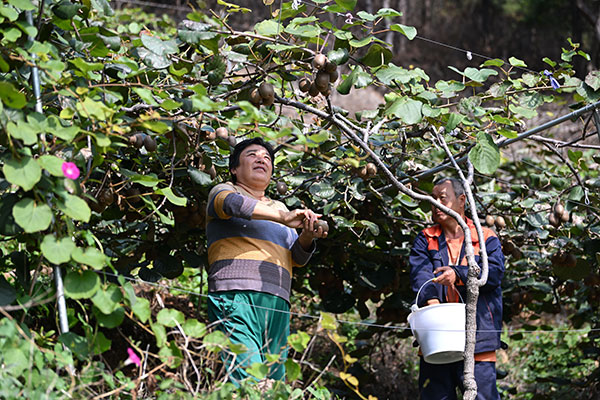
pixel 377 55
pixel 75 208
pixel 25 172
pixel 111 320
pixel 90 256
pixel 407 109
pixel 479 75
pixel 32 217
pixel 23 131
pixel 57 251
pixel 347 4
pixel 52 164
pixel 170 317
pixel 199 177
pixel 409 31
pixel 485 155
pixel 158 46
pixel 108 300
pixel 11 96
pixel 81 285
pixel 172 197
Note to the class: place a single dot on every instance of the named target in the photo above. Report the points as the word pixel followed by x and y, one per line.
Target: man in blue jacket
pixel 439 252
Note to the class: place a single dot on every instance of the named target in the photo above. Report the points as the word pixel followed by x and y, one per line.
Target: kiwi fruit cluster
pixel 367 171
pixel 558 215
pixel 325 73
pixel 264 95
pixel 141 139
pixel 222 133
pixel 497 221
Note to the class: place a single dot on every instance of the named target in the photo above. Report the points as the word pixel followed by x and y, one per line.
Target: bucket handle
pixel 423 285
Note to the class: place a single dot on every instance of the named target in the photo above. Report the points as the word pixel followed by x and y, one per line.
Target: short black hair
pixel 456 185
pixel 234 158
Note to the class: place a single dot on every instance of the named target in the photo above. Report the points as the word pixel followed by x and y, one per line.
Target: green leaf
pixel 258 370
pixel 409 31
pixel 172 197
pixel 24 173
pixel 371 226
pixel 31 216
pixel 23 131
pixel 57 251
pixel 407 109
pixel 328 321
pixel 522 111
pixel 199 177
pixel 146 96
pixel 52 164
pixel 90 256
pixel 108 300
pixel 453 120
pixel 170 317
pixel 158 46
pixel 496 62
pixel 111 320
pixel 268 27
pixel 170 105
pixel 347 4
pixel 485 155
pixel 292 370
pixel 141 309
pixel 55 127
pixel 298 341
pixel 24 5
pixel 479 75
pixel 85 66
pixel 11 96
pixel 76 208
pixel 593 80
pixel 515 62
pixel 77 344
pixel 400 75
pixel 214 341
pixel 90 108
pixel 362 42
pixel 377 55
pixel 194 328
pixel 81 285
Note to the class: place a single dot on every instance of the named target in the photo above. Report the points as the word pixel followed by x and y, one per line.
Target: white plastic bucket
pixel 440 330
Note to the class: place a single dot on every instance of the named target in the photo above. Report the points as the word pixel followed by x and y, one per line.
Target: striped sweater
pixel 247 254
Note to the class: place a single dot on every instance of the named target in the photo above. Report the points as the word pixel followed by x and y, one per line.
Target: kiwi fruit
pixel 268 101
pixel 558 209
pixel 330 67
pixel 553 220
pixel 255 97
pixel 490 220
pixel 570 261
pixel 321 224
pixel 564 216
pixel 232 140
pixel 333 76
pixel 304 84
pixel 222 132
pixel 319 61
pixel 149 143
pixel 313 90
pixel 266 90
pixel 322 80
pixel 210 135
pixel 281 188
pixel 137 140
pixel 371 169
pixel 212 172
pixel 500 222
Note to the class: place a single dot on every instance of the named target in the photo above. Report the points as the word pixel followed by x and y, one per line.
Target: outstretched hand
pixel 447 276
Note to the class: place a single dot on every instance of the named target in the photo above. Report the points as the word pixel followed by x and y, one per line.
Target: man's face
pixel 444 193
pixel 255 167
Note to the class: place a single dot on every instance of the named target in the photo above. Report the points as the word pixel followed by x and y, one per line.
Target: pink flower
pixel 133 358
pixel 70 170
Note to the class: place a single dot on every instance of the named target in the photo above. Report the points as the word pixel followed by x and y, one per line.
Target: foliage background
pixel 112 80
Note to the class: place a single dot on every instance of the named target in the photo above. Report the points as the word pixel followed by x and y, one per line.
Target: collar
pixel 436 231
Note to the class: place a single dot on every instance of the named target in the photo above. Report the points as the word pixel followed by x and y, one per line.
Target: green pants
pixel 255 320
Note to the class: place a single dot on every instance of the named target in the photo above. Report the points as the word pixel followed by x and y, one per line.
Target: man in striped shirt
pixel 252 247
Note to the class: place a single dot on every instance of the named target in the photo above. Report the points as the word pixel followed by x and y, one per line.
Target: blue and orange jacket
pixel 429 251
